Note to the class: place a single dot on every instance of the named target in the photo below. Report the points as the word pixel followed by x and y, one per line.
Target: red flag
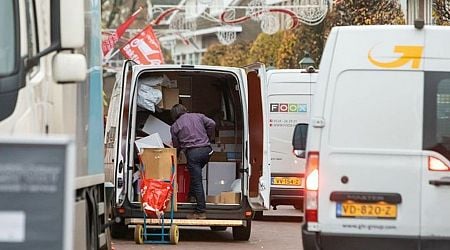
pixel 109 42
pixel 144 48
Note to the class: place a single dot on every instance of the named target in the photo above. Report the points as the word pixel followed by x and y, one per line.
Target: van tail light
pixel 434 164
pixel 312 187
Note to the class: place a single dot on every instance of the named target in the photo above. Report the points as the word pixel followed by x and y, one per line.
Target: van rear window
pixel 436 113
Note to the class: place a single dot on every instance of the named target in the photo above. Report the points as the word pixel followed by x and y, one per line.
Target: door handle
pixel 440 182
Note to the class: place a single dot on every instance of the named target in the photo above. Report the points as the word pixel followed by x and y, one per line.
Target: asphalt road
pixel 279 229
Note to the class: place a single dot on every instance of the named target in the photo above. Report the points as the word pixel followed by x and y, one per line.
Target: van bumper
pixel 286 196
pixel 320 241
pixel 238 212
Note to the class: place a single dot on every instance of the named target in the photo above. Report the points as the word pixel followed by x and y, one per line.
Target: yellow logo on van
pixel 409 53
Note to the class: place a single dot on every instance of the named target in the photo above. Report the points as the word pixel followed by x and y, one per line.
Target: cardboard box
pixel 230 198
pixel 182 158
pixel 217 147
pixel 219 157
pixel 226 133
pixel 170 97
pixel 220 177
pixel 229 140
pixel 213 199
pixel 158 165
pixel 232 148
pixel 234 156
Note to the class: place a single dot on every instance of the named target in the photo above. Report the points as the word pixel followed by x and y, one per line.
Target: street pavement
pixel 280 229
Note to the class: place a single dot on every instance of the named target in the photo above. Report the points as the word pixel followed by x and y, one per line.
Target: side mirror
pixel 72 29
pixel 299 139
pixel 75 62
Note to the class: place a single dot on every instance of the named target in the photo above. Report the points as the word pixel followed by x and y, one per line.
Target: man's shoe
pixel 196 216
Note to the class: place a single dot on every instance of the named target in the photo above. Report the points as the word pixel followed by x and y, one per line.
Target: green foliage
pixel 441 14
pixel 265 48
pixel 236 55
pixel 365 12
pixel 296 43
pixel 214 54
pixel 344 12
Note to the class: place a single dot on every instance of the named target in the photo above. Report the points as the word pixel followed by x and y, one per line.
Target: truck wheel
pixel 259 215
pixel 139 234
pixel 119 230
pixel 242 233
pixel 174 234
pixel 218 228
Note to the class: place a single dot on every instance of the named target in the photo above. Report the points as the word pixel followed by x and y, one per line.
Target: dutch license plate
pixel 367 210
pixel 294 181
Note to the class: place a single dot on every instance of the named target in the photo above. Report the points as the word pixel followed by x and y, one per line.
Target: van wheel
pixel 242 233
pixel 119 230
pixel 259 215
pixel 218 228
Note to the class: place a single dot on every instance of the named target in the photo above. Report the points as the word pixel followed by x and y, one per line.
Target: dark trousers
pixel 196 160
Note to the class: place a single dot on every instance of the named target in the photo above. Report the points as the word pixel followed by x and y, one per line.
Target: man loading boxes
pixel 192 132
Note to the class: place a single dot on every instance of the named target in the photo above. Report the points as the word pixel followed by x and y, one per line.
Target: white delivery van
pixel 289 97
pixel 378 144
pixel 234 98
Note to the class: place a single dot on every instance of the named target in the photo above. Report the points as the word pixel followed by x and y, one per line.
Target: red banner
pixel 112 39
pixel 144 48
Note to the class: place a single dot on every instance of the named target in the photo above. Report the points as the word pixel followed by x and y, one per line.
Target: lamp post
pixel 270 67
pixel 307 62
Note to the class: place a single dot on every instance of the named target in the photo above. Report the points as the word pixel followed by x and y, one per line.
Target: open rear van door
pixel 123 132
pixel 257 153
pixel 435 207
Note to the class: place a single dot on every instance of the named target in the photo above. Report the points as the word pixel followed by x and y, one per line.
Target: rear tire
pixel 218 228
pixel 242 233
pixel 119 230
pixel 259 215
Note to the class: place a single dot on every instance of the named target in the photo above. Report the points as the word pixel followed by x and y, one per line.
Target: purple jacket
pixel 192 130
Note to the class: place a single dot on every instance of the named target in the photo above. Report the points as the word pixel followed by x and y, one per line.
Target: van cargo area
pixel 216 95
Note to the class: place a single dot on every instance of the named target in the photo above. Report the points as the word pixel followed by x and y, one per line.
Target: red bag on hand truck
pixel 155 194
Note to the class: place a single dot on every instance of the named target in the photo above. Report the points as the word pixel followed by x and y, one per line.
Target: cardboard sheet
pixel 155 125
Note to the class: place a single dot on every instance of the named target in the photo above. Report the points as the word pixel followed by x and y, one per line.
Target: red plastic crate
pixel 183 181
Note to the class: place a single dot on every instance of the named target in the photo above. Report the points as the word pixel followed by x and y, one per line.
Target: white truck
pixel 50 85
pixel 290 95
pixel 235 99
pixel 378 148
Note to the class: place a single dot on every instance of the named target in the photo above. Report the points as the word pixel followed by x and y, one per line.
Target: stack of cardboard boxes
pixel 170 97
pixel 222 167
pixel 228 146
